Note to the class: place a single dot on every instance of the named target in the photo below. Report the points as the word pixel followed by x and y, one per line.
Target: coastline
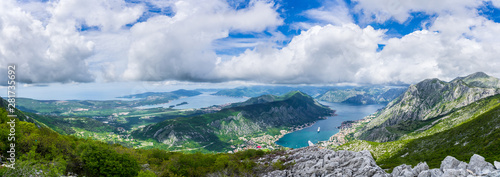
pixel 345 129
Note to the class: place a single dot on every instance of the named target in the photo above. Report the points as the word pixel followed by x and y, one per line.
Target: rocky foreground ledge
pixel 313 161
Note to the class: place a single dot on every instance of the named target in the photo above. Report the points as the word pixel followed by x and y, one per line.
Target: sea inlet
pixel 328 126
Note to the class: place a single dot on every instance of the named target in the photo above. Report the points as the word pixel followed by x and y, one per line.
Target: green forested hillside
pixel 43 152
pixel 234 126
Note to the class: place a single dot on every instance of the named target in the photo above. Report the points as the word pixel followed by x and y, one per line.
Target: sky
pixel 56 42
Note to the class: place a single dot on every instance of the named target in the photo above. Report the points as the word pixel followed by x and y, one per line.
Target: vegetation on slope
pixel 265 115
pixel 90 108
pixel 425 102
pixel 43 152
pixel 473 129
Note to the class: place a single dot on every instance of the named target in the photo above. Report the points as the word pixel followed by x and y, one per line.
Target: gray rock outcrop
pixel 313 161
pixel 479 166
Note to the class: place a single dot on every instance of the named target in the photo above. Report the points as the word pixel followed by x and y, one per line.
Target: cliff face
pixel 231 126
pixel 427 101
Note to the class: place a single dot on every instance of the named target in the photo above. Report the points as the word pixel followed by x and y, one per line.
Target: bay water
pixel 328 126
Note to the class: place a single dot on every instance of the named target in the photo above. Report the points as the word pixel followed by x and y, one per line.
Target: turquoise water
pixel 328 126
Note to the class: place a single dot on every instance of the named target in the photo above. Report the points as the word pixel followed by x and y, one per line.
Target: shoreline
pixel 346 128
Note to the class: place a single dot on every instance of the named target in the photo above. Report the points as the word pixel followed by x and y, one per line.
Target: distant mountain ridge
pixel 255 91
pixel 173 94
pixel 261 116
pixel 426 100
pixel 362 95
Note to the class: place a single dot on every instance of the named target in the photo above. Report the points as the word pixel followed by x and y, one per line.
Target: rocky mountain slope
pixel 362 95
pixel 427 101
pixel 473 129
pixel 312 161
pixel 232 127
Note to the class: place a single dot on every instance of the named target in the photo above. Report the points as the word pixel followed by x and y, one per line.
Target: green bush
pixel 101 160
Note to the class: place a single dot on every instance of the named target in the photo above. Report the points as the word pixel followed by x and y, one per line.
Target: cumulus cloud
pixel 107 15
pixel 180 47
pixel 48 44
pixel 383 10
pixel 42 53
pixel 319 55
pixel 453 45
pixel 49 47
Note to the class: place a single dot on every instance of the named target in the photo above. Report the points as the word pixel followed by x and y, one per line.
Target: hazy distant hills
pixel 234 126
pixel 362 95
pixel 337 94
pixel 255 91
pixel 166 95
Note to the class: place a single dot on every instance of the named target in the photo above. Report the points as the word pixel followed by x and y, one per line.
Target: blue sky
pixel 254 41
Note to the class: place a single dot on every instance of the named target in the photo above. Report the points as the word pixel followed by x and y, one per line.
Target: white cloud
pixel 452 46
pixel 180 47
pixel 460 47
pixel 496 3
pixel 42 53
pixel 334 13
pixel 109 15
pixel 383 10
pixel 319 55
pixel 48 47
pixel 46 44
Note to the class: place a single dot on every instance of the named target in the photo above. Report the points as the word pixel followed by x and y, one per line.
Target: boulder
pixel 422 166
pixel 479 166
pixel 312 161
pixel 452 163
pixel 402 170
pixel 431 173
pixel 454 173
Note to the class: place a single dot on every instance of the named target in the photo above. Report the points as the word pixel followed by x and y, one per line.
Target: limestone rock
pixel 402 170
pixel 479 166
pixel 313 161
pixel 454 173
pixel 431 173
pixel 452 163
pixel 422 166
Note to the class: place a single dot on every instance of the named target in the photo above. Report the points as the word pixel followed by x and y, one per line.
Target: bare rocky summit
pixel 313 161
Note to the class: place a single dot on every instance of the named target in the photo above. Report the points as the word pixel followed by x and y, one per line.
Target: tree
pixel 99 160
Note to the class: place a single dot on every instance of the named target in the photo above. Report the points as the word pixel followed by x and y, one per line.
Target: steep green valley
pixel 240 126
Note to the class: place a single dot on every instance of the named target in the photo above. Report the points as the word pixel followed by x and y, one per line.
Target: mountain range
pixel 429 121
pixel 362 95
pixel 434 119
